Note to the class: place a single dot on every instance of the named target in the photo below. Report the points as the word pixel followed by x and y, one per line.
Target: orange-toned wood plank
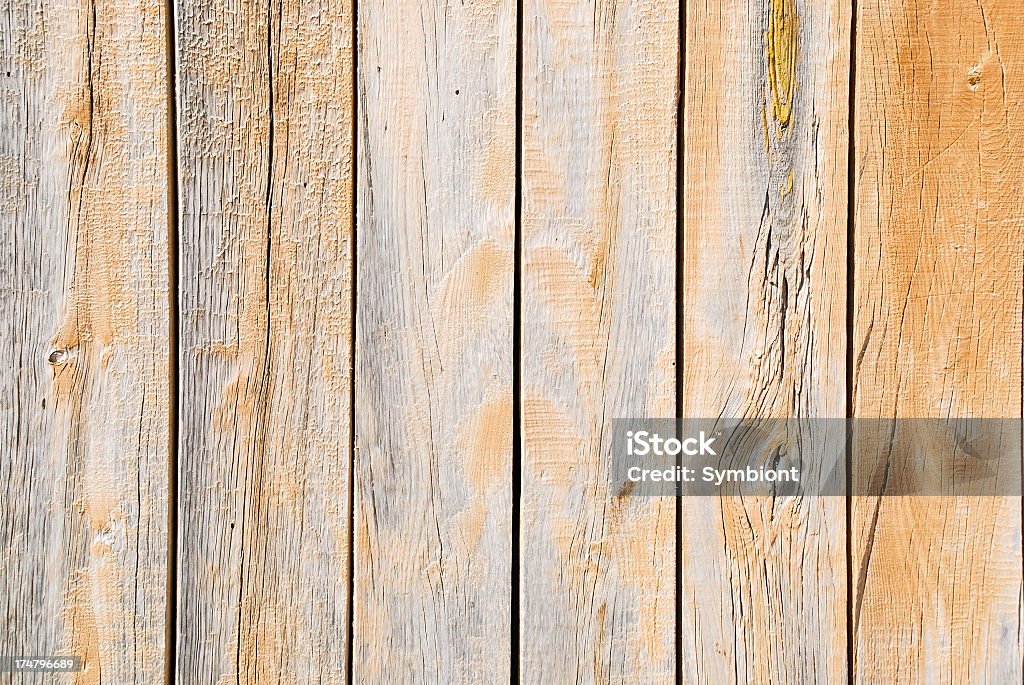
pixel 937 328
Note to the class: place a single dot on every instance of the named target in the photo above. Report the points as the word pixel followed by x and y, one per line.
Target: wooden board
pixel 764 329
pixel 433 402
pixel 937 328
pixel 265 102
pixel 597 569
pixel 346 350
pixel 84 336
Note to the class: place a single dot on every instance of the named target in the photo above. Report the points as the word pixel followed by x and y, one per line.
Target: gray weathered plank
pixel 597 569
pixel 265 173
pixel 433 402
pixel 84 326
pixel 764 329
pixel 938 330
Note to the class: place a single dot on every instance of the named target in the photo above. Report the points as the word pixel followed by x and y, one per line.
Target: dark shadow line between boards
pixel 679 316
pixel 851 163
pixel 353 318
pixel 174 332
pixel 517 414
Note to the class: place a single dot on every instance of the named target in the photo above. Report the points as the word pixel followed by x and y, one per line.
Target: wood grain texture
pixel 84 325
pixel 937 328
pixel 764 329
pixel 266 185
pixel 597 569
pixel 436 195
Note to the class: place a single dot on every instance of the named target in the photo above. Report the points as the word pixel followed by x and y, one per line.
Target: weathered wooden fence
pixel 316 315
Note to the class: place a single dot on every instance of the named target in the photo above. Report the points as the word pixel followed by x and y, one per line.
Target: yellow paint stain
pixel 781 48
pixel 787 188
pixel 764 124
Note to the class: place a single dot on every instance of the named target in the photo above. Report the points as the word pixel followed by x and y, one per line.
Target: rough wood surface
pixel 764 329
pixel 84 349
pixel 937 328
pixel 433 402
pixel 299 460
pixel 597 570
pixel 265 173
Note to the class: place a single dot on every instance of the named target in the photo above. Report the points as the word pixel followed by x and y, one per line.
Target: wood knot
pixel 59 356
pixel 974 76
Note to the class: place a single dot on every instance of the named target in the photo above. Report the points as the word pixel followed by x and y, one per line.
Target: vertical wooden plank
pixel 599 100
pixel 764 328
pixel 937 329
pixel 84 335
pixel 265 159
pixel 433 413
